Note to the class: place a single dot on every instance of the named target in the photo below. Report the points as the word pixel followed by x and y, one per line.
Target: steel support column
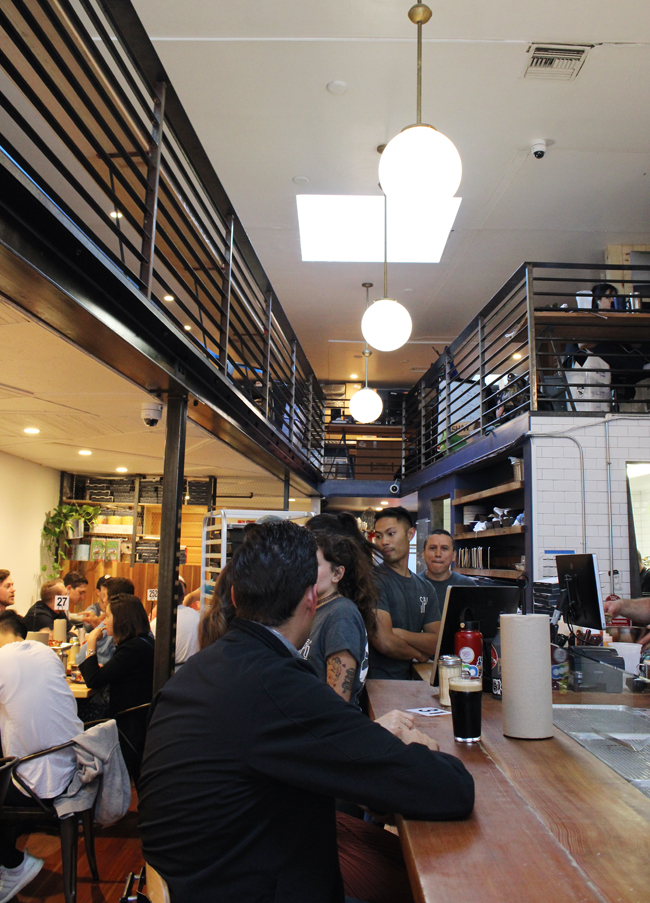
pixel 287 490
pixel 170 532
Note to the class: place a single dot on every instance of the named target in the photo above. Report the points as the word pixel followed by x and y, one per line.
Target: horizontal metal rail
pixel 99 130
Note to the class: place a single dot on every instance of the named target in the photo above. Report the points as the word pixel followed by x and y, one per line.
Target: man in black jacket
pixel 247 749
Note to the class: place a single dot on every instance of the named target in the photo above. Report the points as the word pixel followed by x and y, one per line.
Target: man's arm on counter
pixel 388 641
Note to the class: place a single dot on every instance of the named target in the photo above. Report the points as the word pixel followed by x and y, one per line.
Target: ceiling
pixel 253 81
pixel 79 403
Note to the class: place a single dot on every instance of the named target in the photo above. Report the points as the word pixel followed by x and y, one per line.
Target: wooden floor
pixel 118 852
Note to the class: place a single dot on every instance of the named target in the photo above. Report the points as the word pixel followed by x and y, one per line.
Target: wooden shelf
pixel 112 504
pixel 502 489
pixel 503 573
pixel 500 531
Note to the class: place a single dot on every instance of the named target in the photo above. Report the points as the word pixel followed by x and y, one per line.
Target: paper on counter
pixel 429 712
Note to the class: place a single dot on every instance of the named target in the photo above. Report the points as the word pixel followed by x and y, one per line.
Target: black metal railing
pixel 93 131
pixel 588 355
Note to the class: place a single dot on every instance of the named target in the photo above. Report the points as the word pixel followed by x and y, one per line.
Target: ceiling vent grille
pixel 560 62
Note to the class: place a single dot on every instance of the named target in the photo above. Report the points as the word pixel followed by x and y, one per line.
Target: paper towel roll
pixel 60 630
pixel 526 677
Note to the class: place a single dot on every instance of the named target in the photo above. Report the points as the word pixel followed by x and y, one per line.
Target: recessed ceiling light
pixel 115 214
pixel 337 87
pixel 348 228
pixel 168 298
pixel 516 357
pixel 354 376
pixel 31 430
pixel 379 509
pixel 301 180
pixel 84 451
pixel 121 470
pixel 292 500
pixel 187 327
pixel 383 503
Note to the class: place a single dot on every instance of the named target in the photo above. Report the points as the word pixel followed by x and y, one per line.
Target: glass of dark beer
pixel 465 696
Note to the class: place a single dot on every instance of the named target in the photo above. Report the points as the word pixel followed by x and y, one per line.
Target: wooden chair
pixel 157 889
pixel 21 818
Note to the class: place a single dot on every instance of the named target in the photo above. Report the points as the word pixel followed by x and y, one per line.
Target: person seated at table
pixel 408 613
pixel 247 750
pixel 107 587
pixel 187 628
pixel 345 615
pixel 129 673
pixel 603 296
pixel 439 553
pixel 7 589
pixel 37 711
pixel 42 614
pixel 76 586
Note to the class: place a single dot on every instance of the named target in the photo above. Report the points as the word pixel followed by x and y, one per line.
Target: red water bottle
pixel 468 646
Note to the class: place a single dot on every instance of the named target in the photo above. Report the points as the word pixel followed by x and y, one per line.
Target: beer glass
pixel 465 696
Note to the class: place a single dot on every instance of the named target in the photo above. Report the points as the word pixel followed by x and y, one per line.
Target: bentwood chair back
pixel 21 818
pixel 157 889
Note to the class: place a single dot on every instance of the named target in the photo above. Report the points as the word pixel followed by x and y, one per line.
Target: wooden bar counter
pixel 551 822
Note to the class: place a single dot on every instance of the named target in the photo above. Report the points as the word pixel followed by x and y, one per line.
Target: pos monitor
pixel 486 603
pixel 580 602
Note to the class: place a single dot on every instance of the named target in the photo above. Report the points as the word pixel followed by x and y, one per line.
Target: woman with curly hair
pixel 345 614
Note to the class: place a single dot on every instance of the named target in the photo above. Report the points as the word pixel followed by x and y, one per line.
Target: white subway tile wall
pixel 557 509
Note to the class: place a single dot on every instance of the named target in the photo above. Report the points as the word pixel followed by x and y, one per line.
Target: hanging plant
pixel 60 527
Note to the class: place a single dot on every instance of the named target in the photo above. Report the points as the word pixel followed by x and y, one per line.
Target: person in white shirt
pixel 37 710
pixel 187 629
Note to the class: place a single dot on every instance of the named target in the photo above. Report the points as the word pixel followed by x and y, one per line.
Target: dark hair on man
pixel 129 617
pixel 74 579
pixel 341 523
pixel 599 291
pixel 271 571
pixel 4 573
pixel 102 581
pixel 439 533
pixel 12 622
pixel 49 591
pixel 116 585
pixel 357 583
pixel 400 514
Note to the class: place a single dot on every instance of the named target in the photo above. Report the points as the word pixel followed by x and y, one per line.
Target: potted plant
pixel 61 524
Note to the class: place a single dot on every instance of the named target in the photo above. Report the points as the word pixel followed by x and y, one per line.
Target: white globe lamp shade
pixel 420 161
pixel 386 325
pixel 365 405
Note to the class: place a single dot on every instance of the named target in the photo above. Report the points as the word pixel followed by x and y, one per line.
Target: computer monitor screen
pixel 486 603
pixel 582 602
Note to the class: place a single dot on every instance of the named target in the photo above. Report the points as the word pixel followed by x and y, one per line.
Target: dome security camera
pixel 394 488
pixel 151 412
pixel 538 148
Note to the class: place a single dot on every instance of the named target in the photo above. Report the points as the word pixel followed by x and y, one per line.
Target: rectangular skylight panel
pixel 341 227
pixel 350 228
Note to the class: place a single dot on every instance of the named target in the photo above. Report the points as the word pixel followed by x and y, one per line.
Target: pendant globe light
pixel 366 405
pixel 420 160
pixel 386 324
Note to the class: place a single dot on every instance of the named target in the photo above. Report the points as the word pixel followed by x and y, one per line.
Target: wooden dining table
pixel 550 822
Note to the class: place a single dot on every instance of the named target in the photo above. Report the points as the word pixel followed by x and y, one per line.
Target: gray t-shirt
pixel 411 602
pixel 338 627
pixel 440 586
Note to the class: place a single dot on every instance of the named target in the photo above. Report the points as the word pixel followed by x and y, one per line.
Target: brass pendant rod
pixel 419 100
pixel 385 247
pixel 366 351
